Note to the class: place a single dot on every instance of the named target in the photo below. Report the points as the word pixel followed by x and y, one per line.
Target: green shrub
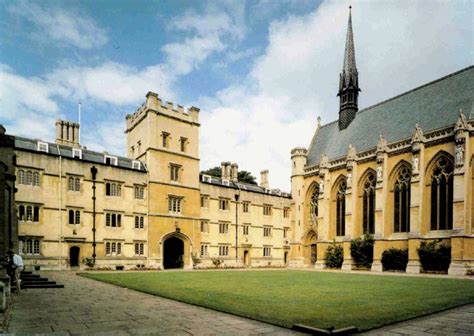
pixel 395 259
pixel 88 261
pixel 334 256
pixel 362 251
pixel 434 256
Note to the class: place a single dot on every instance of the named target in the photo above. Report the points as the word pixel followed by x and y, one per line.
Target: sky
pixel 261 71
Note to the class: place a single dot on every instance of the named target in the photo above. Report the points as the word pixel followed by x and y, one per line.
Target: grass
pixel 318 299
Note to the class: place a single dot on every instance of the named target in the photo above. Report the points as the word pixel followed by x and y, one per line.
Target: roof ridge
pixel 407 92
pixel 417 88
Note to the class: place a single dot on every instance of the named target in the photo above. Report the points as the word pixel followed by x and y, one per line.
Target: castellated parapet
pixel 154 104
pixel 298 160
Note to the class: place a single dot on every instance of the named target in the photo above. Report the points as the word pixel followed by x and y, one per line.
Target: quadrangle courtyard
pixel 243 303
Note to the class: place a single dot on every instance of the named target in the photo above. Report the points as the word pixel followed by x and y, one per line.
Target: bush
pixel 217 262
pixel 196 259
pixel 334 256
pixel 395 259
pixel 434 256
pixel 88 261
pixel 362 251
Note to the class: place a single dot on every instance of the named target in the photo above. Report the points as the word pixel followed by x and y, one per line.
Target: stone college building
pixel 401 170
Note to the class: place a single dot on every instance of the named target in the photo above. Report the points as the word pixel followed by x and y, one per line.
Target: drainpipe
pixel 60 202
pixel 236 227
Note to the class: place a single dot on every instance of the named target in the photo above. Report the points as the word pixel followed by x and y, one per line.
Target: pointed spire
pixel 349 66
pixel 349 81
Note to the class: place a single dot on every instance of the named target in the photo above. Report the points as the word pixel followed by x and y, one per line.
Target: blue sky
pixel 261 71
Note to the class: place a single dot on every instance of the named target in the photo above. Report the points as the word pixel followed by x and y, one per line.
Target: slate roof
pixel 66 152
pixel 434 105
pixel 242 186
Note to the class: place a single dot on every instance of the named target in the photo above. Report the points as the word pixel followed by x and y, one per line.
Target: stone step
pixel 40 285
pixel 38 282
pixel 35 276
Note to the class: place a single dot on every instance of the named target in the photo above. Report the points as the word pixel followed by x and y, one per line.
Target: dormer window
pixel 206 178
pixel 136 165
pixel 225 182
pixel 77 153
pixel 110 160
pixel 43 146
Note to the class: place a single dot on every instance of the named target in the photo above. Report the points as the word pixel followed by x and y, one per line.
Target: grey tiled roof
pixel 66 152
pixel 242 186
pixel 434 105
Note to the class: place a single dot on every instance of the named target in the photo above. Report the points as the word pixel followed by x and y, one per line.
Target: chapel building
pixel 400 170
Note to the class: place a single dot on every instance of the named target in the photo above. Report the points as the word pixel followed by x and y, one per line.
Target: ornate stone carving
pixel 351 156
pixel 415 164
pixel 379 171
pixel 417 139
pixel 459 155
pixel 349 180
pixel 381 149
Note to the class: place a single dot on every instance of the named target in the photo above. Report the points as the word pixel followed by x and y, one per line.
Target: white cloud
pixel 399 45
pixel 211 31
pixel 59 25
pixel 27 107
pixel 110 82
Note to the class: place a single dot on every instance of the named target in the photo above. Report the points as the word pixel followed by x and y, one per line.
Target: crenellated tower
pixel 348 81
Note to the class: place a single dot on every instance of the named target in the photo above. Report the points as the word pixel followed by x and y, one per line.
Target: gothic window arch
pixel 314 201
pixel 341 208
pixel 368 204
pixel 401 200
pixel 442 194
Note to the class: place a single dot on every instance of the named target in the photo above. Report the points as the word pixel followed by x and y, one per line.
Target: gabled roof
pixel 434 105
pixel 67 152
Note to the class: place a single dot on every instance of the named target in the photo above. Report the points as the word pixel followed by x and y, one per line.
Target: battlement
pixel 299 151
pixel 154 104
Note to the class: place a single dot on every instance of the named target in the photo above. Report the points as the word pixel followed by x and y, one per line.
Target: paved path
pixel 87 306
pixel 90 307
pixel 457 321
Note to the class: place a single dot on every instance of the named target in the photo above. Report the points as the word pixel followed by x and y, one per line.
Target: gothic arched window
pixel 368 215
pixel 401 194
pixel 314 201
pixel 341 208
pixel 442 195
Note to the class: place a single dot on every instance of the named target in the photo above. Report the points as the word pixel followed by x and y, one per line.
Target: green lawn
pixel 317 299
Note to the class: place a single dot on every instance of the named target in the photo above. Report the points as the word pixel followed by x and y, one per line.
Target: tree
pixel 242 176
pixel 216 172
pixel 247 177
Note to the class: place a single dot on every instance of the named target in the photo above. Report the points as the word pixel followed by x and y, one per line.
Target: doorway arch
pixel 173 253
pixel 74 256
pixel 247 258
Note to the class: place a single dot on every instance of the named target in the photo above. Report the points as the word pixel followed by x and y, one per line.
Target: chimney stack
pixel 67 133
pixel 234 172
pixel 264 179
pixel 225 170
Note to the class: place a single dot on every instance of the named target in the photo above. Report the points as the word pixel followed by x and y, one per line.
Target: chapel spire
pixel 348 81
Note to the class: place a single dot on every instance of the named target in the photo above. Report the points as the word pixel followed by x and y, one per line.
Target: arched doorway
pixel 246 258
pixel 173 253
pixel 74 256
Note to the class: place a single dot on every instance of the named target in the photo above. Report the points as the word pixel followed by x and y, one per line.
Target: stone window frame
pixel 74 215
pixel 29 213
pixel 224 250
pixel 246 206
pixel 113 219
pixel 204 250
pixel 175 204
pixel 175 172
pixel 441 174
pixel 267 209
pixel 139 222
pixel 139 191
pixel 223 228
pixel 73 183
pixel 29 245
pixel 267 251
pixel 267 231
pixel 139 248
pixel 113 248
pixel 29 177
pixel 224 204
pixel 402 191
